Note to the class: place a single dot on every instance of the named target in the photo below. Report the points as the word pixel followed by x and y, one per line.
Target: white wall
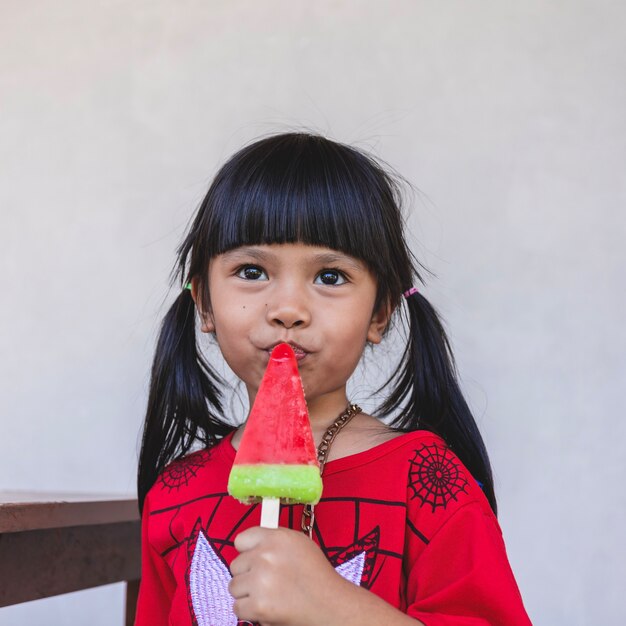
pixel 509 116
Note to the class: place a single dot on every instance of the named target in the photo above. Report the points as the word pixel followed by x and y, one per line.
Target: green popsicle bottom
pixel 291 483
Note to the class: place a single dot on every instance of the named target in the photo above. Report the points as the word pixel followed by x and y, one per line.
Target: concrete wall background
pixel 508 116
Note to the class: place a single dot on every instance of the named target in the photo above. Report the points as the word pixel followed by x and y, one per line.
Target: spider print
pixel 204 548
pixel 436 476
pixel 366 538
pixel 181 472
pixel 208 575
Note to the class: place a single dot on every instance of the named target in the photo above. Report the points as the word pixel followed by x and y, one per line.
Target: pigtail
pixel 184 398
pixel 427 388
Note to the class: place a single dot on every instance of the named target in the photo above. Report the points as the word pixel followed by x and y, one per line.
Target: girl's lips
pixel 299 355
pixel 299 352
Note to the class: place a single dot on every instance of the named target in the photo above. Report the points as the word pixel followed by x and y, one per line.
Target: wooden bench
pixel 54 543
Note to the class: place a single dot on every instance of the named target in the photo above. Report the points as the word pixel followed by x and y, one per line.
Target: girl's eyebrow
pixel 245 253
pixel 337 258
pixel 318 258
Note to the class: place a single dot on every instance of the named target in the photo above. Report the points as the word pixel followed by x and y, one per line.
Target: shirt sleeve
pixel 157 582
pixel 463 577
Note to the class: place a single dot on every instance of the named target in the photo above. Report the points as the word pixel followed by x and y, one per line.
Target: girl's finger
pixel 240 565
pixel 239 586
pixel 242 608
pixel 251 538
pixel 253 609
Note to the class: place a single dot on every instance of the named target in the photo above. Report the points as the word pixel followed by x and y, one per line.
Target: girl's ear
pixel 379 322
pixel 206 318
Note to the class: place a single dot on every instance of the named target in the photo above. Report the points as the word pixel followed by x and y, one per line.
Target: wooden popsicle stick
pixel 270 508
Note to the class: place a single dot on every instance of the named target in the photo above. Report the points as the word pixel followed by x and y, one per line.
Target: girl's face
pixel 317 299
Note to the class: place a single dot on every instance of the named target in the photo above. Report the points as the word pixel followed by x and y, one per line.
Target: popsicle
pixel 277 459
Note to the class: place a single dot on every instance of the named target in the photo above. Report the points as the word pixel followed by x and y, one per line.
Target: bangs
pixel 300 188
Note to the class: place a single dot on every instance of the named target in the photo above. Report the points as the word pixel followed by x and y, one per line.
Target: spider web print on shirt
pixel 179 473
pixel 436 476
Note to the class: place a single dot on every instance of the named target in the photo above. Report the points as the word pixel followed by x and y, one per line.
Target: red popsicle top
pixel 278 429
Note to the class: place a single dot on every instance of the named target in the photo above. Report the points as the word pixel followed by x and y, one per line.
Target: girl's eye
pixel 330 277
pixel 251 272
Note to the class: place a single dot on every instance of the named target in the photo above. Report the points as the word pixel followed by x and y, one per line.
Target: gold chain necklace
pixel 308 513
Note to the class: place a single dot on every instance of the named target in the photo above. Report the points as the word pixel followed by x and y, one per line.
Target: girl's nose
pixel 289 310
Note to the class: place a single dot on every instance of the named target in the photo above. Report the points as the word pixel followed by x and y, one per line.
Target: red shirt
pixel 404 519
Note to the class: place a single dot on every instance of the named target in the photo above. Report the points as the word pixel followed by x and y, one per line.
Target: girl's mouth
pixel 299 352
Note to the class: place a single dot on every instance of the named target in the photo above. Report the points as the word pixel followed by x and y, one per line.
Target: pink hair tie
pixel 409 292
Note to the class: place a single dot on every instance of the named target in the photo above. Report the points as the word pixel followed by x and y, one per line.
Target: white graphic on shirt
pixel 209 577
pixel 352 570
pixel 208 586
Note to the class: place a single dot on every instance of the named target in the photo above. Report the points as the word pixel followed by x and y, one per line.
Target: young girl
pixel 299 240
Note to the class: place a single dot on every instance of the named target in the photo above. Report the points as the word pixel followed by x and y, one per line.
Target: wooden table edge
pixel 22 516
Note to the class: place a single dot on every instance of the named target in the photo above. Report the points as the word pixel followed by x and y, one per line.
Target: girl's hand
pixel 281 577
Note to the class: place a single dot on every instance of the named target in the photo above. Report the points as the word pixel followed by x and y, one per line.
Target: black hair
pixel 301 187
